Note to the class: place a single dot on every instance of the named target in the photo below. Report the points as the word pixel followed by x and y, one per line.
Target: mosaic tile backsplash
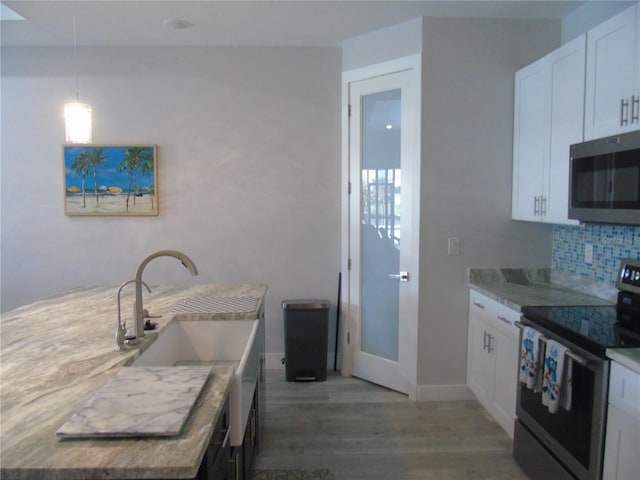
pixel 611 243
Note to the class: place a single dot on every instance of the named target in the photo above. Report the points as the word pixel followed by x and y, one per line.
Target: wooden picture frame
pixel 110 179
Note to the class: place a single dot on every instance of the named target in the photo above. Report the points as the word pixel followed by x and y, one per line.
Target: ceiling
pixel 238 22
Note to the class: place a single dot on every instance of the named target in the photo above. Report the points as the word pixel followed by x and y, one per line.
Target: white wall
pixel 249 169
pixel 468 68
pixel 467 137
pixel 588 16
pixel 382 45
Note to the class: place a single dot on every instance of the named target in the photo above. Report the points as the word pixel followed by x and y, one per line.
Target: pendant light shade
pixel 77 120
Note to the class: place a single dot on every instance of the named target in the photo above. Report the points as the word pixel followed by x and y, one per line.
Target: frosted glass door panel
pixel 380 236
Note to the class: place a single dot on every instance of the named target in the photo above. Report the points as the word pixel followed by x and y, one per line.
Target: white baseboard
pixel 425 393
pixel 442 393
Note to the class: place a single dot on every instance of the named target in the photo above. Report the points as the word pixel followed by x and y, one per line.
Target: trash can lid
pixel 305 304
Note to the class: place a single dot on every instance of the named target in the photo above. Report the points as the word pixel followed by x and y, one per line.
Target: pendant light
pixel 77 116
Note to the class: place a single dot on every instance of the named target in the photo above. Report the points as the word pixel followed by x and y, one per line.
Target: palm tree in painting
pixel 82 165
pixel 96 159
pixel 146 168
pixel 136 159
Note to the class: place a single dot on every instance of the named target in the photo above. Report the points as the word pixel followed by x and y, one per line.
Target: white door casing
pixel 403 75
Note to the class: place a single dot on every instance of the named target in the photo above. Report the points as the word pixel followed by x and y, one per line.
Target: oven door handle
pixel 576 358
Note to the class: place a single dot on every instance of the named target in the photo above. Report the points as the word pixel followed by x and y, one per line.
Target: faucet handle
pixel 120 332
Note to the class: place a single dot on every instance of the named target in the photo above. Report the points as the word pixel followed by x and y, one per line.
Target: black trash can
pixel 306 331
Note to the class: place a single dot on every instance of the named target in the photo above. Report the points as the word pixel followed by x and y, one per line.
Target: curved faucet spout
pixel 139 310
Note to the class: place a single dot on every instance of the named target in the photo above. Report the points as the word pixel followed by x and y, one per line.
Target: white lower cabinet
pixel 492 357
pixel 622 443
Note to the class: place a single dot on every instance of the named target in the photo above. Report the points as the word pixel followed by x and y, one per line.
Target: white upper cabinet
pixel 612 100
pixel 530 142
pixel 548 118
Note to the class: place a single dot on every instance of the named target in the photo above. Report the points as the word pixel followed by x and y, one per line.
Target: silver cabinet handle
pixel 543 206
pixel 488 339
pixel 488 342
pixel 402 276
pixel 505 320
pixel 536 207
pixel 635 109
pixel 479 305
pixel 624 112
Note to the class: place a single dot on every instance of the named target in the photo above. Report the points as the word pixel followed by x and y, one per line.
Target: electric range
pixel 569 444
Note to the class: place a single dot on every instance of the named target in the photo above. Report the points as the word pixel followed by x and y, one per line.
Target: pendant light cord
pixel 75 51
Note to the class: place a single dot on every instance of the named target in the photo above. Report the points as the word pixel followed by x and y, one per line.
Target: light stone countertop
pixel 517 288
pixel 56 353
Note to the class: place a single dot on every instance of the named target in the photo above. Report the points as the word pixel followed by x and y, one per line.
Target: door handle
pixel 402 276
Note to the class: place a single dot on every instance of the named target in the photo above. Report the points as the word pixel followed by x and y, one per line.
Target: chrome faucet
pixel 121 328
pixel 139 312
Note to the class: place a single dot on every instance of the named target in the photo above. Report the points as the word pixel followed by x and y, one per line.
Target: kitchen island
pixel 56 353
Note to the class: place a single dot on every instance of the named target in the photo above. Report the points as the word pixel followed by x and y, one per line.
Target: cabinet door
pixel 566 66
pixel 480 368
pixel 236 464
pixel 506 377
pixel 530 139
pixel 621 459
pixel 612 74
pixel 250 444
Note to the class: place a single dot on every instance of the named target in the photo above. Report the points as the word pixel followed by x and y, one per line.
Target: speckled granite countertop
pixel 517 288
pixel 56 353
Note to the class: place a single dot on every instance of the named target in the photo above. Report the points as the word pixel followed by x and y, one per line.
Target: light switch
pixel 588 253
pixel 454 246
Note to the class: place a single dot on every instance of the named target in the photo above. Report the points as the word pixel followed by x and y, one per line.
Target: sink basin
pixel 194 341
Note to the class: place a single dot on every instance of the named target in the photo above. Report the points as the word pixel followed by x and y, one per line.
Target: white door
pixel 383 227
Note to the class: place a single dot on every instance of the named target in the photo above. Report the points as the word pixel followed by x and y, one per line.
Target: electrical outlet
pixel 588 253
pixel 453 246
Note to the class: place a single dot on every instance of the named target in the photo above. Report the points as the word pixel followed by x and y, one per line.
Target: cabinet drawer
pixel 624 390
pixel 481 305
pixel 498 314
pixel 506 318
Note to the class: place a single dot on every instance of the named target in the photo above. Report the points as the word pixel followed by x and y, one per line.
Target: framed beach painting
pixel 110 179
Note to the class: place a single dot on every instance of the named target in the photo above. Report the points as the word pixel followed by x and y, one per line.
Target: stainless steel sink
pixel 194 341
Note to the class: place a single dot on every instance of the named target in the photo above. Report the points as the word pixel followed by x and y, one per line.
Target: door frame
pixel 349 312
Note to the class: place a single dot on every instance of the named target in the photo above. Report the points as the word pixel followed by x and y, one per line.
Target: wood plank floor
pixel 363 431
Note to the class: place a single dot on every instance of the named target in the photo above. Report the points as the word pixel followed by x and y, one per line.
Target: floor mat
pixel 292 475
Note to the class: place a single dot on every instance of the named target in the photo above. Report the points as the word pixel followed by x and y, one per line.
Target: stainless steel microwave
pixel 604 180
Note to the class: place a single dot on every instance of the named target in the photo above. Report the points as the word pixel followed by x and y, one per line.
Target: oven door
pixel 573 438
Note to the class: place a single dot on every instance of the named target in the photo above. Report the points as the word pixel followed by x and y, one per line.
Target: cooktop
pixel 594 328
